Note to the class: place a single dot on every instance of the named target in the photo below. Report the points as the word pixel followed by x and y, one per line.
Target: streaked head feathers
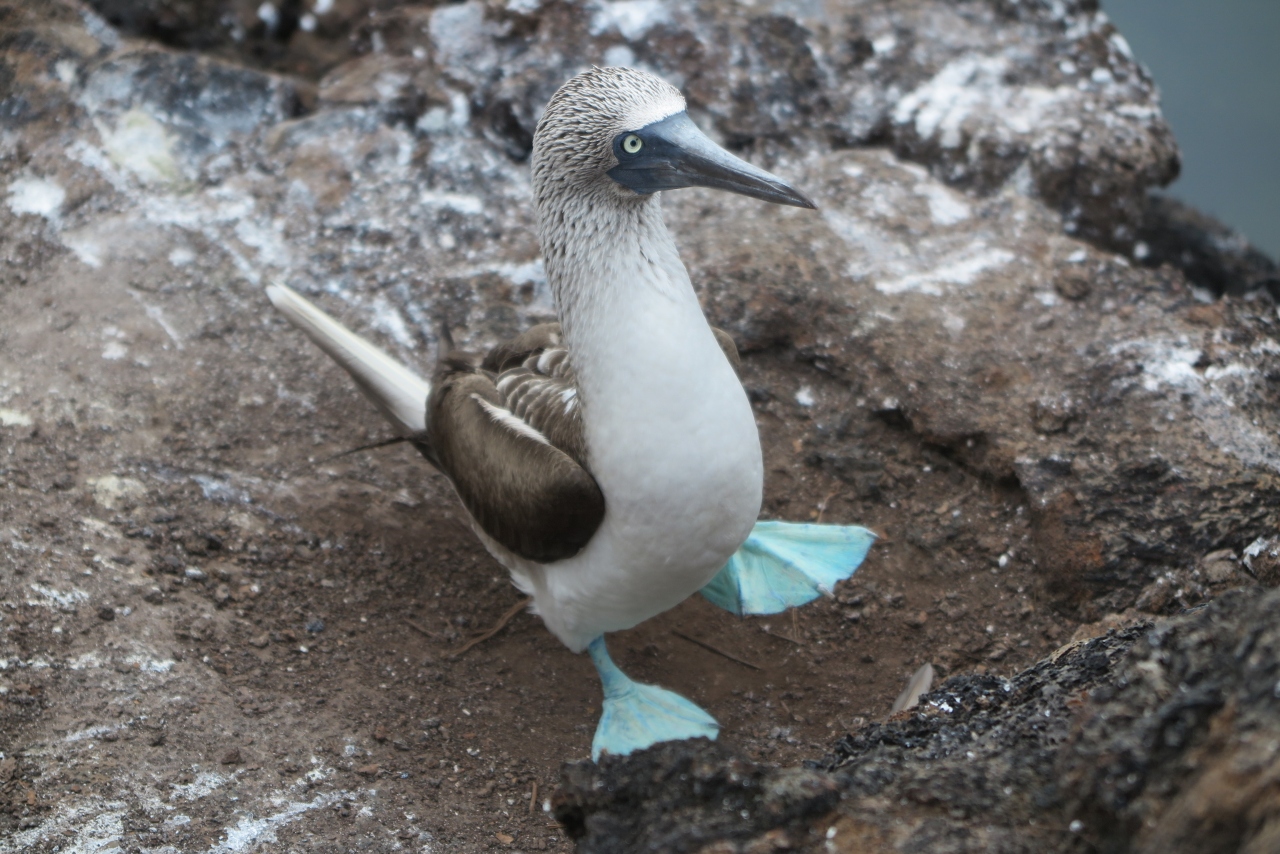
pixel 574 138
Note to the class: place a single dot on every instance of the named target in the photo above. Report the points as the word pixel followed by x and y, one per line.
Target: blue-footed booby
pixel 611 461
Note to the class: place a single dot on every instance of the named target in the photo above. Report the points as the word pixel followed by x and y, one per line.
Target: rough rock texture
pixel 1160 738
pixel 1208 252
pixel 1047 94
pixel 679 796
pixel 200 604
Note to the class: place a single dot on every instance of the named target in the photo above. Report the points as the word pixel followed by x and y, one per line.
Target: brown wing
pixel 511 353
pixel 522 487
pixel 543 393
pixel 546 336
pixel 509 435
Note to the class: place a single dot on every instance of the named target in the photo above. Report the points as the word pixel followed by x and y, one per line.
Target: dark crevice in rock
pixel 1209 253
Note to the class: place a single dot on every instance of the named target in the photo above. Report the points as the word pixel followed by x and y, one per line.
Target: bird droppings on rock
pixel 1083 482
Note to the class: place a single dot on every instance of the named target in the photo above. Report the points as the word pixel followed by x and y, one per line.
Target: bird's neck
pixel 614 269
pixel 602 252
pixel 635 330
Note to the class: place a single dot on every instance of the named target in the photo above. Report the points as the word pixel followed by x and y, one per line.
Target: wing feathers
pixel 511 422
pixel 522 490
pixel 508 434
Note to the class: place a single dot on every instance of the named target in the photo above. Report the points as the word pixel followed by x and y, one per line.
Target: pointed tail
pixel 398 392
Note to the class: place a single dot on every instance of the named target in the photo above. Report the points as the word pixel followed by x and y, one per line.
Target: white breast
pixel 672 442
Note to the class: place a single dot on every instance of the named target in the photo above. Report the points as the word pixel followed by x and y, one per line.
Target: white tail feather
pixel 398 392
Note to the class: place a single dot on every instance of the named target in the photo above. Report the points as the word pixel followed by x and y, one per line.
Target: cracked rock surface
pixel 1056 398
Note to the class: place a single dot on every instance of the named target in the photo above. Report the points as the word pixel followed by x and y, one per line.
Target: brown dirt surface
pixel 216 634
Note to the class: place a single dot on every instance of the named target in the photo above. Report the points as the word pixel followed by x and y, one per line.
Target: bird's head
pixel 626 133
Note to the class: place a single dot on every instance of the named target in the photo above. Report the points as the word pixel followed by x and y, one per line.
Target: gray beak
pixel 673 153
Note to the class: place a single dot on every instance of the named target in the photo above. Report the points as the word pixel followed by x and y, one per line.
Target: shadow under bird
pixel 611 461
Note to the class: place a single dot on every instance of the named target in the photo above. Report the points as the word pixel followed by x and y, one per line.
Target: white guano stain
pixel 87 827
pixel 960 269
pixel 141 145
pixel 91 732
pixel 111 491
pixel 631 18
pixel 972 86
pixel 14 418
pixel 204 783
pixel 58 598
pixel 462 203
pixel 1215 395
pixel 147 664
pixel 946 206
pixel 39 196
pixel 388 319
pixel 96 826
pixel 157 315
pixel 250 831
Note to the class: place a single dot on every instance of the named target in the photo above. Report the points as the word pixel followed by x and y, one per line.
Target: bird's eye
pixel 632 144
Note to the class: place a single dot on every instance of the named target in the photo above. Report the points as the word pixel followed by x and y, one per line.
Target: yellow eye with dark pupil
pixel 632 144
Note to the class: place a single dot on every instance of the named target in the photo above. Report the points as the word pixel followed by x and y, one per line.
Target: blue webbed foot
pixel 784 565
pixel 636 715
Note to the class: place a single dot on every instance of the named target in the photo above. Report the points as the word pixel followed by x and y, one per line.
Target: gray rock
pixel 958 300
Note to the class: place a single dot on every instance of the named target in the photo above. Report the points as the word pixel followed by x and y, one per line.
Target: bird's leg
pixel 635 716
pixel 784 565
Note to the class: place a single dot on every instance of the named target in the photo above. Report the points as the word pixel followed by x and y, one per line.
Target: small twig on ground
pixel 420 630
pixel 781 637
pixel 822 505
pixel 497 627
pixel 533 797
pixel 919 683
pixel 711 648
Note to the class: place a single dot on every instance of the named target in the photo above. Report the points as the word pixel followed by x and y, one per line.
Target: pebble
pixel 107 613
pixel 917 620
pixel 232 757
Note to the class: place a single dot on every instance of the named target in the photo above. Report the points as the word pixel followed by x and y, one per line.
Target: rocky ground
pixel 1157 738
pixel 1054 396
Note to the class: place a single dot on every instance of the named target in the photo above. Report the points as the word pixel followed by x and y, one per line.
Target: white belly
pixel 673 444
pixel 679 501
pixel 671 437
